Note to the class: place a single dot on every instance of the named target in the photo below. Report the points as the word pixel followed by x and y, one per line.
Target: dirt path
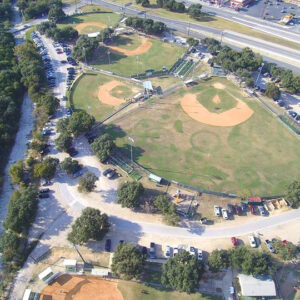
pixel 81 288
pixel 104 93
pixel 142 48
pixel 234 116
pixel 81 26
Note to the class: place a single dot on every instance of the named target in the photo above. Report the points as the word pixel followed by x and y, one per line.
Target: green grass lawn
pixel 259 156
pixel 137 291
pixel 160 54
pixel 84 95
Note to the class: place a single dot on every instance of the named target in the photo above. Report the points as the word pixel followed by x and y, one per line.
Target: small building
pixel 48 276
pixel 70 265
pixel 240 3
pixel 29 295
pixel 155 178
pixel 258 286
pixel 148 85
pixel 100 272
pixel 254 201
pixel 93 34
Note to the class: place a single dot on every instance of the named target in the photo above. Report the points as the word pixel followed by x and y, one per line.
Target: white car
pixel 175 251
pixel 200 255
pixel 225 214
pixel 192 251
pixel 217 210
pixel 168 252
pixel 252 241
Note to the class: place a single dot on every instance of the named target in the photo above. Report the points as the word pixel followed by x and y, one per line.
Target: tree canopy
pixel 9 243
pixel 129 194
pixel 16 172
pixel 69 165
pixel 45 169
pixel 64 141
pixel 167 208
pixel 128 261
pixel 171 5
pixel 218 260
pixel 192 42
pixel 87 182
pixel 182 272
pixel 146 25
pixel 91 225
pixel 80 122
pixel 102 147
pixel 272 91
pixel 84 48
pixel 293 194
pixel 285 250
pixel 67 33
pixel 194 10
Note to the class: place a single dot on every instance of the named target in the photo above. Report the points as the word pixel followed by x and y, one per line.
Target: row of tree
pixel 66 34
pixel 146 25
pixel 5 11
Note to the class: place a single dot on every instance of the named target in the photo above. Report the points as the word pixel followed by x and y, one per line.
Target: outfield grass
pixel 84 95
pixel 259 156
pixel 137 291
pixel 159 55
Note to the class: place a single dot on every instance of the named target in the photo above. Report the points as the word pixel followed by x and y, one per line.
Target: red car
pixel 234 241
pixel 252 210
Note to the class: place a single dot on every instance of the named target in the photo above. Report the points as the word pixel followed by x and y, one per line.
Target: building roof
pixel 148 85
pixel 258 286
pixel 70 262
pixel 27 294
pixel 254 199
pixel 45 273
pixel 100 272
pixel 93 34
pixel 155 178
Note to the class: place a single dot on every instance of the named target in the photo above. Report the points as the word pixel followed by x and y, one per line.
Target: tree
pixel 87 182
pixel 192 42
pixel 194 11
pixel 62 125
pixel 91 225
pixel 218 260
pixel 129 194
pixel 64 141
pixel 56 13
pixel 80 122
pixel 144 3
pixel 102 147
pixel 84 48
pixel 16 172
pixel 182 272
pixel 50 103
pixel 128 261
pixel 285 250
pixel 46 169
pixel 167 208
pixel 69 165
pixel 9 242
pixel 272 91
pixel 293 194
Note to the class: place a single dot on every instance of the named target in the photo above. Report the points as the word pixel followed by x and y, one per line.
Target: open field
pixel 215 22
pixel 99 95
pixel 256 156
pixel 91 22
pixel 137 291
pixel 132 54
pixel 81 288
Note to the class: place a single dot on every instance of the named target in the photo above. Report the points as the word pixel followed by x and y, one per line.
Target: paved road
pixel 284 57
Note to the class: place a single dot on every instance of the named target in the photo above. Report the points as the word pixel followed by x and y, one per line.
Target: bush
pixel 167 208
pixel 285 250
pixel 129 194
pixel 90 225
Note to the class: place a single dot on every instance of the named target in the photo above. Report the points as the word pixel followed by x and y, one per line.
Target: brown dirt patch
pixel 104 93
pixel 81 26
pixel 75 287
pixel 216 99
pixel 142 48
pixel 231 117
pixel 219 86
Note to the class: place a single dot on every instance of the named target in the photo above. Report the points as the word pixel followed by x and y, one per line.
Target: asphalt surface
pixel 229 38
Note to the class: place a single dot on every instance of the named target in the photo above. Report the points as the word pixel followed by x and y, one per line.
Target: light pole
pixel 108 54
pixel 222 32
pixel 260 69
pixel 188 32
pixel 132 142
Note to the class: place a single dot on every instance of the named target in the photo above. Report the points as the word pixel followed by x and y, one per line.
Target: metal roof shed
pixel 258 286
pixel 254 200
pixel 155 178
pixel 46 274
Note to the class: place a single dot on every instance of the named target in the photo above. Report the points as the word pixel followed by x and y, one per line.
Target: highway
pixel 274 53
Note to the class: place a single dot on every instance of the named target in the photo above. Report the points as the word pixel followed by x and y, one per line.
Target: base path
pixel 231 117
pixel 77 287
pixel 81 26
pixel 104 93
pixel 142 48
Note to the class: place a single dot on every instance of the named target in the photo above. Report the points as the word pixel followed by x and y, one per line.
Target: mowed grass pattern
pixel 259 156
pixel 159 55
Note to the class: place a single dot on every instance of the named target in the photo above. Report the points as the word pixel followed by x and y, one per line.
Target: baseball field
pixel 132 54
pixel 212 136
pixel 100 95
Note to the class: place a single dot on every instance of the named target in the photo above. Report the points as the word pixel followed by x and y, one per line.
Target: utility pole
pixel 132 141
pixel 108 53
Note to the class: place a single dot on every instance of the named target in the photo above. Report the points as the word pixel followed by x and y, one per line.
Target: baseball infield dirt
pixel 216 99
pixel 142 48
pixel 231 117
pixel 81 26
pixel 75 287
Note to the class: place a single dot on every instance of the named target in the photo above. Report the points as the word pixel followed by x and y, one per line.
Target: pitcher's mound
pixel 81 288
pixel 219 86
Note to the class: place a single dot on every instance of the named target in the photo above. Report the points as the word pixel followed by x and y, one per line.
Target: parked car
pixel 244 206
pixel 175 251
pixel 192 251
pixel 72 151
pixel 107 171
pixel 230 208
pixel 200 255
pixel 252 241
pixel 225 214
pixel 43 191
pixel 217 210
pixel 234 241
pixel 111 174
pixel 238 209
pixel 45 195
pixel 252 209
pixel 152 250
pixel 262 211
pixel 144 251
pixel 77 174
pixel 270 246
pixel 108 245
pixel 168 252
